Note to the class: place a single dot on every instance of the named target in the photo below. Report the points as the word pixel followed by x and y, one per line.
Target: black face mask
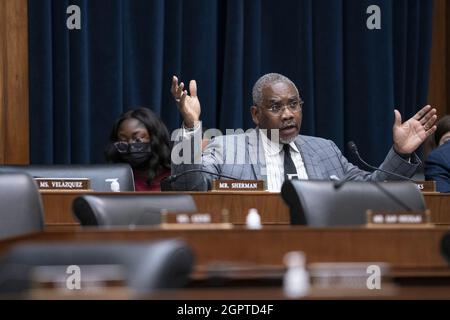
pixel 136 154
pixel 137 160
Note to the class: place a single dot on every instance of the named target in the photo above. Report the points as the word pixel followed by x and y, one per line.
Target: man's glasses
pixel 278 108
pixel 135 147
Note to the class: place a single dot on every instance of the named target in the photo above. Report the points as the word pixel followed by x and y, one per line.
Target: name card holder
pixel 426 186
pixel 401 218
pixel 237 185
pixel 63 184
pixel 182 221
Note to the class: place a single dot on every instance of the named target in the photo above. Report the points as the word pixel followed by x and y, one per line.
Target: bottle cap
pixel 253 219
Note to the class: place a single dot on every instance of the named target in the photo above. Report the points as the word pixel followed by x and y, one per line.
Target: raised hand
pixel 188 105
pixel 409 135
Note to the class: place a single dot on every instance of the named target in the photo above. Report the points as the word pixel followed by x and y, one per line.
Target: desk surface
pixel 412 253
pixel 386 292
pixel 58 206
pixel 407 248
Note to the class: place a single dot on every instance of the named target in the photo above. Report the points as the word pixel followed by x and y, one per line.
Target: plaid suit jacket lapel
pixel 310 159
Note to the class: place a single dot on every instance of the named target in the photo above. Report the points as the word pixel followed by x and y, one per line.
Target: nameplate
pixel 380 217
pixel 176 220
pixel 237 185
pixel 426 186
pixel 65 184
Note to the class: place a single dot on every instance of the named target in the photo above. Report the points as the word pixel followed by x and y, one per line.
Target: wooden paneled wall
pixel 14 119
pixel 439 84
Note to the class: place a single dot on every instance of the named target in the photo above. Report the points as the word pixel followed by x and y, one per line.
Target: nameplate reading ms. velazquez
pixel 63 183
pixel 237 185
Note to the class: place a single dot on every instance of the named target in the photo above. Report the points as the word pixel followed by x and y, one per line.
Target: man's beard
pixel 289 140
pixel 274 135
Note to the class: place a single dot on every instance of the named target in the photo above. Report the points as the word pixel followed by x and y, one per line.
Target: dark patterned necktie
pixel 289 167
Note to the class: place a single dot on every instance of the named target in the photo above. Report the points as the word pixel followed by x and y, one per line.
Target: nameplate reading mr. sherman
pixel 63 183
pixel 237 185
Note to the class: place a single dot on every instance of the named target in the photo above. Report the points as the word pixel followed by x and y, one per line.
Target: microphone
pixel 354 149
pixel 167 181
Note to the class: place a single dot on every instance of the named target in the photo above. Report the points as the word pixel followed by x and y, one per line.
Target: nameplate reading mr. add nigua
pixel 237 185
pixel 398 218
pixel 63 184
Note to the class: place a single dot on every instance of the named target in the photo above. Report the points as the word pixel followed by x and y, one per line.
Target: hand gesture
pixel 409 135
pixel 188 105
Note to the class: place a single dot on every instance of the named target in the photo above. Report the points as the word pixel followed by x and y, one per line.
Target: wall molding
pixel 14 96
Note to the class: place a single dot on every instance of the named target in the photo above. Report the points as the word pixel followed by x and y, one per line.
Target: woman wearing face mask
pixel 437 166
pixel 141 139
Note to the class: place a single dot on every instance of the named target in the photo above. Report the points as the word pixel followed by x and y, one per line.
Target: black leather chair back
pixel 97 173
pixel 126 210
pixel 146 266
pixel 20 205
pixel 320 204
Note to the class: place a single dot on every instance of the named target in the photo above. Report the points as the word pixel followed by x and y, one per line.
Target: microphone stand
pixel 354 149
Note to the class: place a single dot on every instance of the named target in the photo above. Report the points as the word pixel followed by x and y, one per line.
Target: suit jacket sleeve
pixel 187 155
pixel 393 163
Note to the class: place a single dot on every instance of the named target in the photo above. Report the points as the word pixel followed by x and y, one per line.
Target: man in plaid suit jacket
pixel 277 113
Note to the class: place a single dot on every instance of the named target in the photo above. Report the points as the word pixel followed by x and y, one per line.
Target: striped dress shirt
pixel 274 156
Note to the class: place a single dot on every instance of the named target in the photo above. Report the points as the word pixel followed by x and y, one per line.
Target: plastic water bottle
pixel 296 279
pixel 253 219
pixel 115 186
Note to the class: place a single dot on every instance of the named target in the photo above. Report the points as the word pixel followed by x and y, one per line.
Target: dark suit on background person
pixel 437 167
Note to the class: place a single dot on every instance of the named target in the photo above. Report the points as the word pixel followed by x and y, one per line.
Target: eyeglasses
pixel 135 147
pixel 278 108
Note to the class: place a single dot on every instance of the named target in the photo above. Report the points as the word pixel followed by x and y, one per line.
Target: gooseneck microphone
pixel 166 182
pixel 354 149
pixel 174 177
